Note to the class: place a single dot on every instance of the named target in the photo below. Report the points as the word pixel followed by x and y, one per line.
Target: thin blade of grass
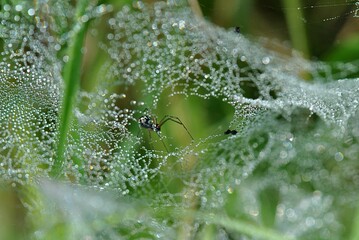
pixel 235 225
pixel 72 78
pixel 296 27
pixel 355 226
pixel 255 231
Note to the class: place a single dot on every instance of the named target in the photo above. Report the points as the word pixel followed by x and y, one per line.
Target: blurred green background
pixel 320 29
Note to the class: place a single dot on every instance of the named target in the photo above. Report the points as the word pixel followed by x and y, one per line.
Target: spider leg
pixel 173 119
pixel 154 119
pixel 150 138
pixel 160 137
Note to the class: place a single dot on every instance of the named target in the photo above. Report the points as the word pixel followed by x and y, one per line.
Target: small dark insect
pixel 151 124
pixel 237 29
pixel 233 132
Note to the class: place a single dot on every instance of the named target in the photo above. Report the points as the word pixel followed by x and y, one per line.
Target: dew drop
pixel 84 18
pixel 338 156
pixel 57 47
pixel 310 221
pixel 266 60
pixel 18 8
pixel 65 58
pixel 181 25
pixel 122 95
pixel 31 12
pixel 7 7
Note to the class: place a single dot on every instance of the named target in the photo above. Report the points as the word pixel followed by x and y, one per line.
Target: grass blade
pixel 72 77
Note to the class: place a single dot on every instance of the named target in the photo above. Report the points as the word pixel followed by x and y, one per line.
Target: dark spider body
pixel 233 132
pixel 151 124
pixel 148 123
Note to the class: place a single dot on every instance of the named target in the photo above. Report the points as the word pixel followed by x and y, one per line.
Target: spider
pixel 233 132
pixel 151 124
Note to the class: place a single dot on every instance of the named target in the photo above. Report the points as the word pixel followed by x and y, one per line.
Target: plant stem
pixel 235 225
pixel 296 28
pixel 72 78
pixel 254 231
pixel 195 8
pixel 355 226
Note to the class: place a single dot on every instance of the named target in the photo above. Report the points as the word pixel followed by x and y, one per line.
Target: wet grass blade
pixel 296 26
pixel 72 77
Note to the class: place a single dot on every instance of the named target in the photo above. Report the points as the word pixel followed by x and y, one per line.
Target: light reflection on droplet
pixel 310 221
pixel 84 18
pixel 338 156
pixel 65 58
pixel 18 8
pixel 181 24
pixel 31 12
pixel 291 214
pixel 266 60
pixel 254 212
pixel 7 7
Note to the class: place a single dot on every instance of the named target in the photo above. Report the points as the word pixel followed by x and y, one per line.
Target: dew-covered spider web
pixel 290 165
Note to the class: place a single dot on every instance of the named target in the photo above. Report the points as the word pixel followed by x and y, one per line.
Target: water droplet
pixel 122 95
pixel 138 5
pixel 57 47
pixel 84 18
pixel 338 156
pixel 31 12
pixel 65 58
pixel 310 221
pixel 254 212
pixel 7 7
pixel 181 24
pixel 101 9
pixel 266 60
pixel 291 214
pixel 18 8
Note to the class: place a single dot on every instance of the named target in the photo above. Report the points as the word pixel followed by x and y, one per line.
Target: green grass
pixel 72 79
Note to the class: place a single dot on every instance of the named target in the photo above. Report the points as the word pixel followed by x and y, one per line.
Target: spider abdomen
pixel 148 123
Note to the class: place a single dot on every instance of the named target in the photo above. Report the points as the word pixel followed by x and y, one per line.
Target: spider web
pixel 295 136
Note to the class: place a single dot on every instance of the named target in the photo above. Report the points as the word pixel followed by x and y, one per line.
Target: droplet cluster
pixel 30 84
pixel 170 50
